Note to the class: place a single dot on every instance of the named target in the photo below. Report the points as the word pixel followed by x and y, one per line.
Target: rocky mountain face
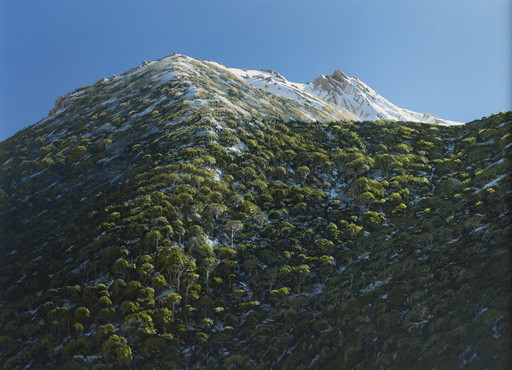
pixel 187 214
pixel 355 96
pixel 345 92
pixel 204 85
pixel 329 97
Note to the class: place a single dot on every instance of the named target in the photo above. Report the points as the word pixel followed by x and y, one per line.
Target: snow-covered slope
pixel 277 84
pixel 357 97
pixel 348 93
pixel 198 85
pixel 264 93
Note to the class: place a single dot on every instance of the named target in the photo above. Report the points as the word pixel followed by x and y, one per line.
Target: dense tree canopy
pixel 255 245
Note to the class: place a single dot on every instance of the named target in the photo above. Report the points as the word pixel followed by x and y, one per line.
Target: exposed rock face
pixel 339 75
pixel 277 74
pixel 335 87
pixel 321 83
pixel 357 97
pixel 100 81
pixel 130 71
pixel 60 103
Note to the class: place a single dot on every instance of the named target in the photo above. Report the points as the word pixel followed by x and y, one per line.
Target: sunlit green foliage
pixel 370 245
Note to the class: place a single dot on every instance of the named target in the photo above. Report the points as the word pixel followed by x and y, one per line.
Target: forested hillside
pixel 256 244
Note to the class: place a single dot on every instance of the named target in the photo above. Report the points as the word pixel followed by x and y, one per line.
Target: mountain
pixel 178 217
pixel 200 86
pixel 345 92
pixel 328 98
pixel 358 98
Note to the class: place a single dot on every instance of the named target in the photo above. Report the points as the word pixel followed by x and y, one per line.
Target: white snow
pixel 482 311
pixel 480 228
pixel 21 279
pixel 165 77
pixel 7 162
pixel 366 103
pixel 199 102
pixel 278 85
pixel 314 360
pixel 217 175
pixel 493 182
pixel 212 242
pixel 349 93
pixel 165 292
pixel 372 286
pixel 80 267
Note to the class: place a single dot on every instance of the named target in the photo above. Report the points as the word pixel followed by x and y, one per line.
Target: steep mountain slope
pixel 357 97
pixel 346 92
pixel 150 222
pixel 197 85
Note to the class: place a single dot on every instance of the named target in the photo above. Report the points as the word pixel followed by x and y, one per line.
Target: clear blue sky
pixel 447 57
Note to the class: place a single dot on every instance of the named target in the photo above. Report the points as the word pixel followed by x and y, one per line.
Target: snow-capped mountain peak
pixel 360 99
pixel 329 98
pixel 275 83
pixel 346 92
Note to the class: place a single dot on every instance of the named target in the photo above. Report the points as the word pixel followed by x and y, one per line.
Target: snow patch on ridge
pixel 349 94
pixel 366 103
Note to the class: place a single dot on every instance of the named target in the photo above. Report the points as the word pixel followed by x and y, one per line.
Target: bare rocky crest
pixel 60 103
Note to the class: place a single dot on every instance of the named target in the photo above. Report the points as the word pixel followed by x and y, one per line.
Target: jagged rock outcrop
pixel 60 103
pixel 339 75
pixel 100 81
pixel 358 98
pixel 348 93
pixel 133 69
pixel 354 99
pixel 277 74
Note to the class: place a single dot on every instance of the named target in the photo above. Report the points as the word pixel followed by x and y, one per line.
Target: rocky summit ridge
pixel 328 98
pixel 360 99
pixel 203 85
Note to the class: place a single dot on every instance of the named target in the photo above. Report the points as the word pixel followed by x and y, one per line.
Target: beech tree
pixel 117 351
pixel 295 275
pixel 386 163
pixel 214 210
pixel 61 318
pixel 277 173
pixel 81 315
pixel 176 263
pixel 171 299
pixel 232 228
pixel 189 280
pixel 122 267
pixel 279 295
pixel 303 172
pixel 365 199
pixel 163 317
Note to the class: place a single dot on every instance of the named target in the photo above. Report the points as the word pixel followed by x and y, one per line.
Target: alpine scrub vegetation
pixel 151 235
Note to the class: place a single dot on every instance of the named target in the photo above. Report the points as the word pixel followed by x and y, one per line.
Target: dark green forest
pixel 260 244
